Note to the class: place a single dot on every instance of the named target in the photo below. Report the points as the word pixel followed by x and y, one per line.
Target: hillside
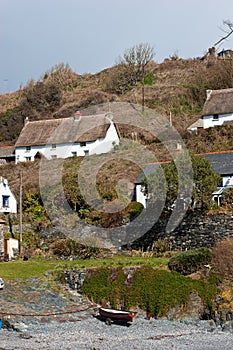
pixel 175 86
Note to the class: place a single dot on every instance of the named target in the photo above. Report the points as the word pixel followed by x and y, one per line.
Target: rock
pixel 227 326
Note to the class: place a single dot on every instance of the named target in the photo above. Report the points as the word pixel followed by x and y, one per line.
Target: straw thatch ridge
pixel 64 130
pixel 197 125
pixel 218 102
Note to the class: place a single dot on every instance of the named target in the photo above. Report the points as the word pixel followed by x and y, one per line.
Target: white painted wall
pixel 227 180
pixel 12 248
pixel 140 197
pixel 5 193
pixel 209 121
pixel 98 146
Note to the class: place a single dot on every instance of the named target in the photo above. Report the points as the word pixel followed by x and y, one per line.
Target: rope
pixel 45 314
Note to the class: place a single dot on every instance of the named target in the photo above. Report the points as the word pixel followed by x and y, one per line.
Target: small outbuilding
pixel 8 203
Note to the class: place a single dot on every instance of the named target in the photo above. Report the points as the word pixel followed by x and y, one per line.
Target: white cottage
pixel 217 110
pixel 67 137
pixel 141 194
pixel 222 163
pixel 8 203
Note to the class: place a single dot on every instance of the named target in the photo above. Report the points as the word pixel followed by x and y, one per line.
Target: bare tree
pixel 61 76
pixel 229 25
pixel 137 57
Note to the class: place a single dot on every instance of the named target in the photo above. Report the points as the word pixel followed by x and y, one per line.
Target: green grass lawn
pixel 33 268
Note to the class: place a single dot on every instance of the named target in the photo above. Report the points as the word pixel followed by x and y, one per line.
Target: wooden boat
pixel 117 315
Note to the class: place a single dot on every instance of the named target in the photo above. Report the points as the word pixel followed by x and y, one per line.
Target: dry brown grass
pixel 179 87
pixel 222 260
pixel 10 100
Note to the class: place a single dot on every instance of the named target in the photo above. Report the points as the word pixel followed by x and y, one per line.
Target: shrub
pixel 160 246
pixel 222 258
pixel 228 199
pixel 69 247
pixel 155 291
pixel 134 209
pixel 149 78
pixel 190 261
pixel 120 81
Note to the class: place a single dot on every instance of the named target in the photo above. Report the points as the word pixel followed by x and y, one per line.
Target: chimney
pixel 77 115
pixel 179 146
pixel 109 116
pixel 208 94
pixel 26 120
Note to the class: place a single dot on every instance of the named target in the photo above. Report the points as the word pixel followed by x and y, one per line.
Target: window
pixel 53 156
pixel 86 152
pixel 74 154
pixel 5 201
pixel 28 159
pixel 82 144
pixel 215 117
pixel 54 146
pixel 28 148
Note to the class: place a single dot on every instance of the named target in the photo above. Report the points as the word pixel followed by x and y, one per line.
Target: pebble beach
pixel 41 318
pixel 93 334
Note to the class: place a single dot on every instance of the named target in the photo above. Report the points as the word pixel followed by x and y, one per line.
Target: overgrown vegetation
pixel 155 291
pixel 175 85
pixel 222 261
pixel 195 173
pixel 190 261
pixel 68 247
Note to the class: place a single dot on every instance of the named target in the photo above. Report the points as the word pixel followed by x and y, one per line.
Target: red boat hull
pixel 117 315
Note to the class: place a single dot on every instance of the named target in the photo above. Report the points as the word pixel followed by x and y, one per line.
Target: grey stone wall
pixel 197 231
pixel 194 231
pixel 75 278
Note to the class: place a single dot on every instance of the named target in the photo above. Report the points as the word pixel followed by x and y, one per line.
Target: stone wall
pixel 75 278
pixel 201 231
pixel 195 231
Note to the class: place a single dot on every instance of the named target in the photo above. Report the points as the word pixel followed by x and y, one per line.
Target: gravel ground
pixel 93 334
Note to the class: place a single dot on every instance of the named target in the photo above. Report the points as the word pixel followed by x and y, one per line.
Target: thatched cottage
pixel 140 193
pixel 217 110
pixel 61 138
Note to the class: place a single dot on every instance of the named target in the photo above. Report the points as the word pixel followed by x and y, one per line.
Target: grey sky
pixel 90 35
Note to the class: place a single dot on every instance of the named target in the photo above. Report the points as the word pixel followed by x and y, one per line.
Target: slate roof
pixel 149 169
pixel 218 102
pixel 222 162
pixel 64 130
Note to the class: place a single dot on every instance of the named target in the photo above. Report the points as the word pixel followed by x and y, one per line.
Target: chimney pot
pixel 208 93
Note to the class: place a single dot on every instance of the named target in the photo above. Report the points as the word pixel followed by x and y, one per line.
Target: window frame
pixel 5 201
pixel 215 117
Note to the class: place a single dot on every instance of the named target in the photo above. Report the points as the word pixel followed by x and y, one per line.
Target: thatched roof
pixel 198 124
pixel 218 102
pixel 64 130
